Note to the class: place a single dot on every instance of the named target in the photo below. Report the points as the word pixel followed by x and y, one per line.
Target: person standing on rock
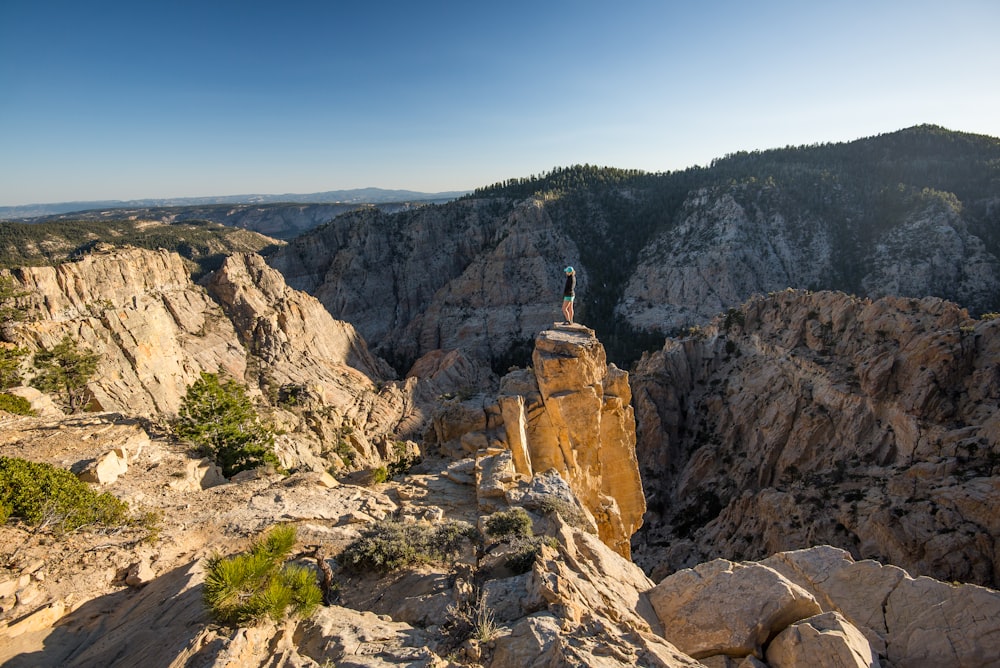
pixel 569 294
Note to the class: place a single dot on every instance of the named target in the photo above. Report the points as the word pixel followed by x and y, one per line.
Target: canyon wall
pixel 819 418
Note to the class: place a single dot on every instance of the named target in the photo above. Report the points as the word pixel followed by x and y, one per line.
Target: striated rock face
pixel 908 215
pixel 731 243
pixel 569 415
pixel 806 418
pixel 155 331
pixel 285 327
pixel 720 253
pixel 480 276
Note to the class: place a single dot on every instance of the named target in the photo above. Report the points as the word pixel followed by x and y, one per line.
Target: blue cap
pixel 569 270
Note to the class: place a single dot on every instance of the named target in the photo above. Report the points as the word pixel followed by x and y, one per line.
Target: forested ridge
pixel 859 200
pixel 858 189
pixel 46 243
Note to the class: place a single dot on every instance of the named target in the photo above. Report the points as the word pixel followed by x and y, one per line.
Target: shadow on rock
pixel 149 627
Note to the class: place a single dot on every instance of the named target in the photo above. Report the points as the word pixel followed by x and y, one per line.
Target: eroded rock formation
pixel 805 418
pixel 558 442
pixel 155 331
pixel 570 413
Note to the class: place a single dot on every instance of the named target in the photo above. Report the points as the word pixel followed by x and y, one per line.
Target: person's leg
pixel 569 312
pixel 567 307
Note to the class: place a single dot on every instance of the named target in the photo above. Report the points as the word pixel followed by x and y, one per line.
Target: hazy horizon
pixel 117 101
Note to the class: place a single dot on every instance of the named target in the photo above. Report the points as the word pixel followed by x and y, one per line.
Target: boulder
pixel 199 474
pixel 528 642
pixel 911 621
pixel 107 468
pixel 40 402
pixel 823 641
pixel 722 607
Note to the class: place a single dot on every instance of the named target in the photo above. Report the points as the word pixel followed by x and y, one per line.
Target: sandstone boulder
pixel 107 468
pixel 911 621
pixel 824 641
pixel 199 474
pixel 362 640
pixel 722 607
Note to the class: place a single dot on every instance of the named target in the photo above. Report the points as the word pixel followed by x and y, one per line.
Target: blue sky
pixel 116 100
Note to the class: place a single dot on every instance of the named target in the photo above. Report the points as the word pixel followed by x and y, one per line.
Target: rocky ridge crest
pixel 155 331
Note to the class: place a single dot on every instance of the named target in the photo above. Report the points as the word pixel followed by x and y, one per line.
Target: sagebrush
pixel 390 544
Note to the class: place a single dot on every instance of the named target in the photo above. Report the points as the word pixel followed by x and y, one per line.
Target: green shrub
pixel 41 494
pixel 524 551
pixel 570 512
pixel 508 524
pixel 390 545
pixel 246 588
pixel 65 371
pixel 380 475
pixel 15 404
pixel 10 366
pixel 219 417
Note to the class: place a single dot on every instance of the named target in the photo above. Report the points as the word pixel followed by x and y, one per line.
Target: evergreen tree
pixel 219 417
pixel 10 366
pixel 64 371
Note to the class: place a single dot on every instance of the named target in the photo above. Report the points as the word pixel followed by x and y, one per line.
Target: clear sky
pixel 151 99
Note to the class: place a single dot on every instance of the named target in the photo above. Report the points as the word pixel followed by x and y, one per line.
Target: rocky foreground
pixel 119 600
pixel 557 440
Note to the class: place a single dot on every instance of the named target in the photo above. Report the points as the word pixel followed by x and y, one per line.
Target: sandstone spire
pixel 575 416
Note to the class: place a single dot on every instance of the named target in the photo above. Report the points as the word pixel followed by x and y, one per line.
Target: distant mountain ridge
pixel 912 213
pixel 350 196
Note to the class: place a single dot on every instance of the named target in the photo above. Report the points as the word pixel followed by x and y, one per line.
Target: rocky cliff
pixel 155 331
pixel 732 242
pixel 569 415
pixel 121 599
pixel 909 214
pixel 803 418
pixel 479 276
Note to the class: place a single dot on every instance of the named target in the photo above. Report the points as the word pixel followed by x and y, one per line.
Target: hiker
pixel 569 294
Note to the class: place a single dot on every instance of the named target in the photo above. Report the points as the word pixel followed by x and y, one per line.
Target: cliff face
pixel 569 415
pixel 805 418
pixel 585 429
pixel 730 243
pixel 478 276
pixel 911 214
pixel 720 253
pixel 155 331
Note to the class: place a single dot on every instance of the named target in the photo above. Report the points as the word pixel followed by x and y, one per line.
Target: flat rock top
pixel 575 334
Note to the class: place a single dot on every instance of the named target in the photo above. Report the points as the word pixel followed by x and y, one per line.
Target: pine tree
pixel 65 370
pixel 219 417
